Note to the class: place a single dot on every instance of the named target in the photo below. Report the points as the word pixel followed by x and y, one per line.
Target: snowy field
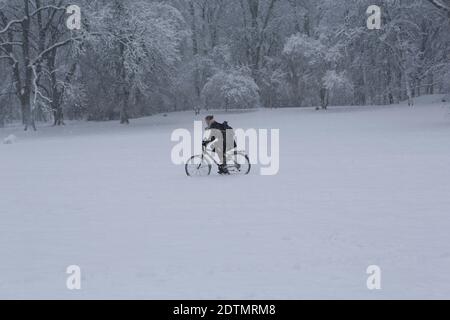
pixel 357 187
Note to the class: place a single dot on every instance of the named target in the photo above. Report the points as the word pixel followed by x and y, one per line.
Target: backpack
pixel 230 134
pixel 226 126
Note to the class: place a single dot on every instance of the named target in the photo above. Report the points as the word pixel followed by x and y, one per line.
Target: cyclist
pixel 219 134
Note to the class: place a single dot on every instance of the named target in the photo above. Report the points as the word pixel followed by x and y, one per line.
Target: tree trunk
pixel 195 50
pixel 28 114
pixel 58 114
pixel 324 98
pixel 25 93
pixel 409 92
pixel 124 117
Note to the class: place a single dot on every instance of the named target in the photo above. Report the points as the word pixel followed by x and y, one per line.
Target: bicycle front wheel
pixel 198 166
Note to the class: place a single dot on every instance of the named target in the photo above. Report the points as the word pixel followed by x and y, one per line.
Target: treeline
pixel 134 58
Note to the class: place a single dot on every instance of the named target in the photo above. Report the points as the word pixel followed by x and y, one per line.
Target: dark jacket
pixel 222 127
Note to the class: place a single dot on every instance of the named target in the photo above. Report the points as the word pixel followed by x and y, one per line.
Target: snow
pixel 10 139
pixel 358 186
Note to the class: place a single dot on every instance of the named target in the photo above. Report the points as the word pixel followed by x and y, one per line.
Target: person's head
pixel 209 120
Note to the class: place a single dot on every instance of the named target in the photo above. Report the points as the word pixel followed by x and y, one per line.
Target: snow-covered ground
pixel 357 187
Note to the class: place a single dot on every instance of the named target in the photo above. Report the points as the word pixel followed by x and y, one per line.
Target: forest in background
pixel 135 58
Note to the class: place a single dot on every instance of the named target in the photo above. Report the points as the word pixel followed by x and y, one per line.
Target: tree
pixel 231 90
pixel 138 49
pixel 30 38
pixel 137 58
pixel 337 85
pixel 303 56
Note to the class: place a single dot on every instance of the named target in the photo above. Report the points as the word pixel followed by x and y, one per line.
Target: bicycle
pixel 238 163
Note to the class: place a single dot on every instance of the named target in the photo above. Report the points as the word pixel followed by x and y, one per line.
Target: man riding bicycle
pixel 219 134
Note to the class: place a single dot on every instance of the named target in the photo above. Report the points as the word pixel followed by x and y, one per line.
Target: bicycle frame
pixel 209 155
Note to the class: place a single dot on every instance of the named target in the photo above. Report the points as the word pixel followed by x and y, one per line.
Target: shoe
pixel 223 170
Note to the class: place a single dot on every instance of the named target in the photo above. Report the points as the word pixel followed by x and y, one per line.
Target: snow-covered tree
pixel 134 58
pixel 231 90
pixel 303 57
pixel 337 85
pixel 142 40
pixel 31 38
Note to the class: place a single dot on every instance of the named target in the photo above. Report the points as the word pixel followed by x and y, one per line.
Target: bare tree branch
pixel 12 22
pixel 440 5
pixel 53 47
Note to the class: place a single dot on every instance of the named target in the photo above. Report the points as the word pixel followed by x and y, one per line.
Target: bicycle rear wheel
pixel 239 164
pixel 198 166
